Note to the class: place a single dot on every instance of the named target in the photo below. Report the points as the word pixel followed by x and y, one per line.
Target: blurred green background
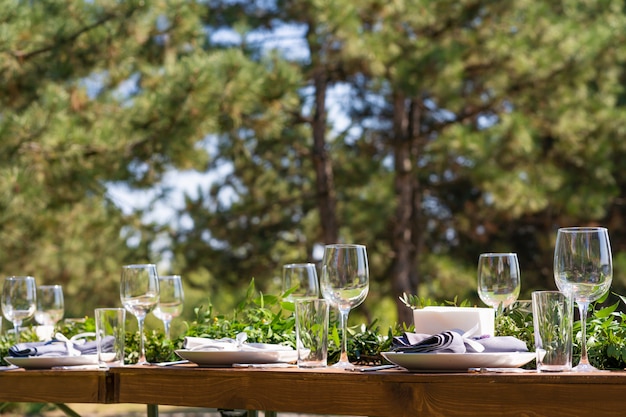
pixel 223 139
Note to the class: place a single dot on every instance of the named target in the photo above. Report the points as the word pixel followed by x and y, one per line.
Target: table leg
pixel 153 410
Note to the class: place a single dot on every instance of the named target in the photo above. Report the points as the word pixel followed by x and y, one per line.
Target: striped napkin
pixel 455 342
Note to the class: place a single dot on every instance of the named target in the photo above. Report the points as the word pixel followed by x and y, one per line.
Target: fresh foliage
pixel 517 322
pixel 269 319
pixel 414 301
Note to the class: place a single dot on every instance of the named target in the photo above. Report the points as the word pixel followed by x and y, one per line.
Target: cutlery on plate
pixel 264 365
pixel 67 367
pixel 171 363
pixel 371 368
pixel 500 370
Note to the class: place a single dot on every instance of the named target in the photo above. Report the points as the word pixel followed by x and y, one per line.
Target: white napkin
pixel 59 346
pixel 228 344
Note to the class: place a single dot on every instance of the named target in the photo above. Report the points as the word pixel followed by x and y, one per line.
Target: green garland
pixel 269 319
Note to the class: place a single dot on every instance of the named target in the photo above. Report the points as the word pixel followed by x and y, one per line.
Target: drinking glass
pixel 50 306
pixel 139 293
pixel 19 295
pixel 498 279
pixel 583 268
pixel 302 280
pixel 170 300
pixel 345 284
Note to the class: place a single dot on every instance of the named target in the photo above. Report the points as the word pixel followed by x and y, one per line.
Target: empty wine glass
pixel 583 268
pixel 498 279
pixel 50 305
pixel 301 280
pixel 139 293
pixel 345 284
pixel 50 309
pixel 170 300
pixel 19 295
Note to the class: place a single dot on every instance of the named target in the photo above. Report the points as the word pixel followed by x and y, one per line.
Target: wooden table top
pixel 328 391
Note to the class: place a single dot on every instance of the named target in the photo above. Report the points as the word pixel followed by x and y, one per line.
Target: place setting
pixel 344 283
pixel 300 284
pixel 208 352
pixel 461 339
pixel 457 339
pixel 22 299
pixel 59 352
pixel 453 351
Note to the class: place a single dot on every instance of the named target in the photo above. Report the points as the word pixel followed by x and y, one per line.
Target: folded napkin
pixel 230 345
pixel 57 347
pixel 454 342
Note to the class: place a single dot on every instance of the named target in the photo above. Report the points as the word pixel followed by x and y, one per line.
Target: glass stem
pixel 582 308
pixel 142 350
pixel 344 335
pixel 16 327
pixel 499 311
pixel 166 326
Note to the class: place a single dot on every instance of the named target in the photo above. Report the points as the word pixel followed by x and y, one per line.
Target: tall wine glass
pixel 170 300
pixel 498 279
pixel 583 268
pixel 19 295
pixel 345 284
pixel 50 309
pixel 301 280
pixel 50 305
pixel 139 293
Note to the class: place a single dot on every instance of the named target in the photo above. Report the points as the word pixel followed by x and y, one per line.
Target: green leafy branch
pixel 269 319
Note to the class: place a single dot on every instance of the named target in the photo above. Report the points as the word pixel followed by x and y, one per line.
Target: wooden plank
pixel 374 394
pixel 327 391
pixel 253 389
pixel 54 386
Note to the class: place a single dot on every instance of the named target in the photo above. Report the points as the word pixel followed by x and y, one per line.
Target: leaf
pixel 606 311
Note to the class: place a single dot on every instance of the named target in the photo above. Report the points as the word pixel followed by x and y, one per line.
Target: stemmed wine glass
pixel 139 293
pixel 50 305
pixel 50 309
pixel 170 300
pixel 498 279
pixel 19 295
pixel 583 268
pixel 301 280
pixel 345 284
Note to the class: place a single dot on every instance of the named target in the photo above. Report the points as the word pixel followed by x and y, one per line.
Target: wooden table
pixel 56 386
pixel 381 393
pixel 335 392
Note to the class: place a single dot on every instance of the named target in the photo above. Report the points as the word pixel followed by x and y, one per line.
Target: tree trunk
pixel 406 134
pixel 326 197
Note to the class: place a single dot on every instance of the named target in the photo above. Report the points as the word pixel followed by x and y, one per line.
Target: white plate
pixel 458 361
pixel 46 362
pixel 228 358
